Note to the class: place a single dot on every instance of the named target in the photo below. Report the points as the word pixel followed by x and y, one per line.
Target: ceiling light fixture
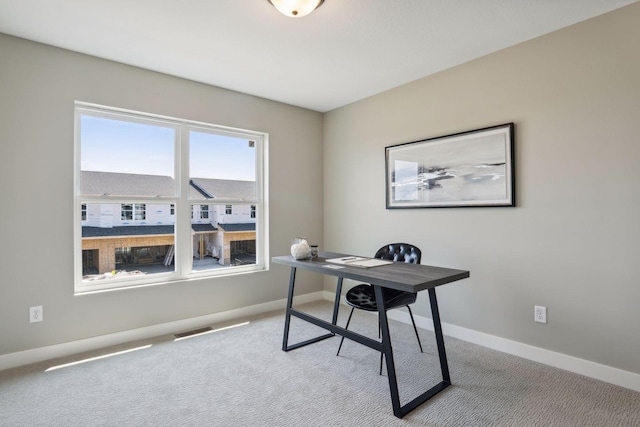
pixel 296 8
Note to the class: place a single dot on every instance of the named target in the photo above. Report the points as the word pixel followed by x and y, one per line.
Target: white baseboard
pixel 573 364
pixel 21 358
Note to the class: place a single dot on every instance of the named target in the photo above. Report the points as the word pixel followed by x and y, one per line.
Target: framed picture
pixel 468 169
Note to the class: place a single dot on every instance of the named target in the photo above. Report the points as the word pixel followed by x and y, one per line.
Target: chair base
pixel 415 329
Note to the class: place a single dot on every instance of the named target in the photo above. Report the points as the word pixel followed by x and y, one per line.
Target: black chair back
pixel 403 252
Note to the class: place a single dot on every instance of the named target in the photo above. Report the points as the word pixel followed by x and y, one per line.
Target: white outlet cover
pixel 35 314
pixel 540 314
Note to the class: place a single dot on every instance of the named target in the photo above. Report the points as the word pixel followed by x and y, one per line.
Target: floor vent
pixel 194 332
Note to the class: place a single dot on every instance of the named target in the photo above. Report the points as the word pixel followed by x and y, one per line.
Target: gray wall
pixel 572 244
pixel 38 87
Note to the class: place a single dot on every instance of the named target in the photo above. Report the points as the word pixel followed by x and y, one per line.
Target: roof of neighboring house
pixel 250 226
pixel 225 189
pixel 193 185
pixel 203 228
pixel 141 230
pixel 127 184
pixel 130 230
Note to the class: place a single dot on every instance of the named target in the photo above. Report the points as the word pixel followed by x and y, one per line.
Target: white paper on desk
pixel 354 261
pixel 371 262
pixel 346 260
pixel 334 267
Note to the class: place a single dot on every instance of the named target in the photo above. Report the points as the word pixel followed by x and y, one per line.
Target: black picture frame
pixel 468 169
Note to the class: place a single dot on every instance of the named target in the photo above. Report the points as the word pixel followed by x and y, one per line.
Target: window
pixel 150 192
pixel 136 211
pixel 204 212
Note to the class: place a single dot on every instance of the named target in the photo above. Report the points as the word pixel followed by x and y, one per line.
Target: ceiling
pixel 345 51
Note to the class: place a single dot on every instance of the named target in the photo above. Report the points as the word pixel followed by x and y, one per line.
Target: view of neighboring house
pixel 126 235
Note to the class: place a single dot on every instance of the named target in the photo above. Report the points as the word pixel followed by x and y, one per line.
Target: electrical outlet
pixel 35 314
pixel 540 314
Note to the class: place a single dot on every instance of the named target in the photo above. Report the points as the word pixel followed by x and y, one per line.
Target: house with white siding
pixel 130 235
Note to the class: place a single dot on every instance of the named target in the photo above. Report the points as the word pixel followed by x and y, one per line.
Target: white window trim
pixel 183 242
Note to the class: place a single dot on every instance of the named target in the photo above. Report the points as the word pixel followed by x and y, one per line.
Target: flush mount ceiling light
pixel 296 8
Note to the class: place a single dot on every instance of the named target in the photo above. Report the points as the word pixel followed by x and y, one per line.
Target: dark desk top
pixel 397 275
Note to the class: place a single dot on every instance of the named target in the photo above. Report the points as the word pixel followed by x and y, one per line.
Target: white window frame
pixel 181 201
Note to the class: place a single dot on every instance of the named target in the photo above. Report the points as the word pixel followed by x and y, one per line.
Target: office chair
pixel 363 296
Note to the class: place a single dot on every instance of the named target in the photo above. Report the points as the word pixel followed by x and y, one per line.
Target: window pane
pixel 114 249
pixel 221 167
pixel 125 158
pixel 224 240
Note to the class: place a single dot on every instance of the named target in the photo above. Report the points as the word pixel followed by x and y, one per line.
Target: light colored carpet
pixel 241 377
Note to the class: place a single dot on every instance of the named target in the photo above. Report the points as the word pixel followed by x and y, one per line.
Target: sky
pixel 120 146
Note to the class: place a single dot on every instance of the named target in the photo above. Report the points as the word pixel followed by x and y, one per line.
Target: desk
pixel 397 275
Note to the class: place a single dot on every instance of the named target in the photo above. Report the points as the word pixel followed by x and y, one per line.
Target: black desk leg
pixel 336 304
pixel 437 327
pixel 293 312
pixel 387 351
pixel 287 317
pixel 398 409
